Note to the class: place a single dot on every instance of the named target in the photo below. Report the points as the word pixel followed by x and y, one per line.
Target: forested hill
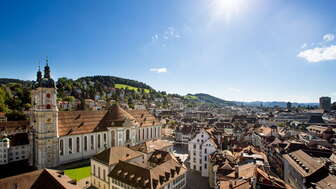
pixel 15 93
pixel 110 80
pixel 206 98
pixel 8 80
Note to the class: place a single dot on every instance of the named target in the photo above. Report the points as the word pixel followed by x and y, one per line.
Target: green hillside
pixel 123 86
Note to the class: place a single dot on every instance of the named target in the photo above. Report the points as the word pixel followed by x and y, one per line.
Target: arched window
pixel 48 95
pixel 77 144
pixel 85 143
pixel 70 145
pixel 48 106
pixel 127 134
pixel 155 132
pixel 147 133
pixel 151 135
pixel 104 138
pixel 92 142
pixel 143 134
pixel 61 147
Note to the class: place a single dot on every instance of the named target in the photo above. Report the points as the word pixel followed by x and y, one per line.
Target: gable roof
pixel 81 122
pixel 112 155
pixel 153 174
pixel 152 145
pixel 39 179
pixel 303 163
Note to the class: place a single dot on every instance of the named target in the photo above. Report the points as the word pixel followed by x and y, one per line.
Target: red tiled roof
pixel 80 122
pixel 39 179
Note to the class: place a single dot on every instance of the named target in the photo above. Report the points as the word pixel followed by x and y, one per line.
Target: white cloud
pixel 158 70
pixel 328 37
pixel 319 54
pixel 167 34
pixel 235 90
pixel 304 45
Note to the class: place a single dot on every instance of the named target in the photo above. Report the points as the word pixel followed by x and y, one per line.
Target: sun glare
pixel 227 9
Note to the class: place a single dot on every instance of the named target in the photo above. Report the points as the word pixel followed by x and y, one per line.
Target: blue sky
pixel 234 49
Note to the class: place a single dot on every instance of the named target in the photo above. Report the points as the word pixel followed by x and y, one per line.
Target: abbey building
pixel 56 137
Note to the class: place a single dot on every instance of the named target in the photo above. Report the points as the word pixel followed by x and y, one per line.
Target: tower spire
pixel 47 70
pixel 39 74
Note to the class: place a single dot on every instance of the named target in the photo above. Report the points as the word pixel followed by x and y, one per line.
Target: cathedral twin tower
pixel 44 115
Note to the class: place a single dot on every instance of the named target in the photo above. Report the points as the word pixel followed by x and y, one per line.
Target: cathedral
pixel 58 137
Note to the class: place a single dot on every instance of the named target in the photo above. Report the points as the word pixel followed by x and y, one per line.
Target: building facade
pixel 203 144
pixel 325 103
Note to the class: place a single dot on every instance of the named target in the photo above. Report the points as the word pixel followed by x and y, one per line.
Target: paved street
pixel 194 179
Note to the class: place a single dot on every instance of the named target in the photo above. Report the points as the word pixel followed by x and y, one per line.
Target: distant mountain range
pixel 206 98
pixel 275 103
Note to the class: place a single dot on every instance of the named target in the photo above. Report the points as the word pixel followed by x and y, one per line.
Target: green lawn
pixel 78 173
pixel 191 97
pixel 122 86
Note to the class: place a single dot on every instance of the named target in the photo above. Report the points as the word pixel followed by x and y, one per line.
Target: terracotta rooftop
pixel 142 176
pixel 80 122
pixel 112 155
pixel 143 118
pixel 39 179
pixel 152 145
pixel 303 163
pixel 13 125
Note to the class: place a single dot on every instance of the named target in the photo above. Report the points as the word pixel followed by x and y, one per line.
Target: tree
pixel 69 99
pixel 3 105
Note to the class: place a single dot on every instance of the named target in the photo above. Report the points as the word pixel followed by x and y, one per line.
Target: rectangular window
pixel 104 138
